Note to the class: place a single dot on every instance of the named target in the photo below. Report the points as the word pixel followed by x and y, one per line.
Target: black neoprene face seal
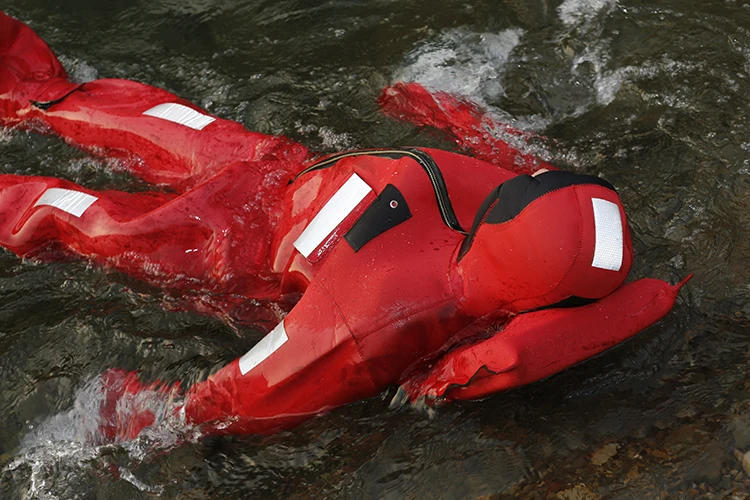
pixel 516 194
pixel 510 198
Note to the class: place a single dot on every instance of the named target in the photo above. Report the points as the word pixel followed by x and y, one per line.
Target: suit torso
pixel 396 291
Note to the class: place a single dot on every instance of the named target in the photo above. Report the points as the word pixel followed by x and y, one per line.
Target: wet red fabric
pixel 470 127
pixel 543 256
pixel 28 69
pixel 128 404
pixel 220 230
pixel 535 345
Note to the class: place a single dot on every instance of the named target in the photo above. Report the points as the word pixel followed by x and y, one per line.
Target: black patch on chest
pixel 387 211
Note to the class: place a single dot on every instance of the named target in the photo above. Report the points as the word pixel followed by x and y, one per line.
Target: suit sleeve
pixel 307 365
pixel 538 344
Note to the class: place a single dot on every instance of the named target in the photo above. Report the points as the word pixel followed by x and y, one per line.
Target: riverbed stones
pixel 740 429
pixel 603 454
pixel 578 492
pixel 744 459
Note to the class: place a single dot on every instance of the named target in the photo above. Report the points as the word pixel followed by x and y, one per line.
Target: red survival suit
pixel 442 272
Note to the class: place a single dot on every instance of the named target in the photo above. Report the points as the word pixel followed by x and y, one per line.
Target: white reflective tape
pixel 332 214
pixel 260 351
pixel 73 202
pixel 183 115
pixel 608 227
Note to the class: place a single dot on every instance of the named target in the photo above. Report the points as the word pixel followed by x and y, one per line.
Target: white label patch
pixel 608 227
pixel 332 214
pixel 177 113
pixel 260 351
pixel 73 202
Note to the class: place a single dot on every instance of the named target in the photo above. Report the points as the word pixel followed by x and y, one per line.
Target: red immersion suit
pixel 447 274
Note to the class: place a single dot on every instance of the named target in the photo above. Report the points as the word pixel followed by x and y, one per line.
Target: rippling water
pixel 651 95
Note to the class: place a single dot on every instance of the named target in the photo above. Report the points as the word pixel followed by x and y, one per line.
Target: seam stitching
pixel 349 329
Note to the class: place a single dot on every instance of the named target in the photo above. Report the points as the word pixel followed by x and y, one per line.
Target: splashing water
pixel 472 66
pixel 78 70
pixel 597 75
pixel 463 63
pixel 583 12
pixel 68 446
pixel 325 138
pixel 6 134
pixel 608 82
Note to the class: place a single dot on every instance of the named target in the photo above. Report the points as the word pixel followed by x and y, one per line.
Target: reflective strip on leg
pixel 263 349
pixel 177 113
pixel 67 200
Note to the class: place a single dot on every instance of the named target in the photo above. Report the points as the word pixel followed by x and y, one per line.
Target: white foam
pixel 463 63
pixel 582 12
pixel 331 140
pixel 608 82
pixel 78 70
pixel 65 447
pixel 6 135
pixel 472 66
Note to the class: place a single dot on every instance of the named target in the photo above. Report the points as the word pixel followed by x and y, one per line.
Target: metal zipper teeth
pixel 441 191
pixel 424 160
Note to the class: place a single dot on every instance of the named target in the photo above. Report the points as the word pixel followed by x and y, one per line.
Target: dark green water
pixel 651 95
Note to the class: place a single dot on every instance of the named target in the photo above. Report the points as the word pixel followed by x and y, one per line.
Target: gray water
pixel 650 95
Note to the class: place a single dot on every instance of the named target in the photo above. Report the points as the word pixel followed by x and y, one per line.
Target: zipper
pixel 423 159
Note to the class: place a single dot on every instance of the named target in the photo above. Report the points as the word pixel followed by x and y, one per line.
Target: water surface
pixel 650 95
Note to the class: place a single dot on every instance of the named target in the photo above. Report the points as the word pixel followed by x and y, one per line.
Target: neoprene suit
pixel 408 260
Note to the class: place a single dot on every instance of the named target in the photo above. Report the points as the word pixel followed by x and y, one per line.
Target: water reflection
pixel 651 96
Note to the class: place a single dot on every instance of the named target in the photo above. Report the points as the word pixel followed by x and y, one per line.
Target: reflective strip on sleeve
pixel 177 113
pixel 608 227
pixel 260 351
pixel 67 200
pixel 332 214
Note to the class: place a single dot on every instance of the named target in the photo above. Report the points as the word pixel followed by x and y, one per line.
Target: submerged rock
pixel 578 492
pixel 603 454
